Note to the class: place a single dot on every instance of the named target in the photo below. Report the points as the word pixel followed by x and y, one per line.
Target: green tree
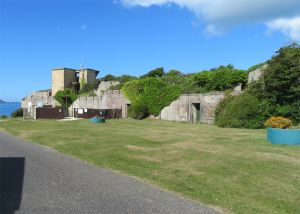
pixel 158 72
pixel 280 82
pixel 173 73
pixel 109 77
pixel 65 97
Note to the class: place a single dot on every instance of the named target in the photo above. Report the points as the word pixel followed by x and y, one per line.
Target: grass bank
pixel 235 169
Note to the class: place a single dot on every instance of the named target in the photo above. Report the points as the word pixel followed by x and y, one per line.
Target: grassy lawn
pixel 233 169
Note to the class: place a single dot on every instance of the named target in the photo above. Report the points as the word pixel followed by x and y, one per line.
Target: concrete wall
pixel 104 86
pixel 256 74
pixel 108 100
pixel 184 108
pixel 62 78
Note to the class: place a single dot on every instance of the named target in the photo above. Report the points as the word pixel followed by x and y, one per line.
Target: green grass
pixel 233 169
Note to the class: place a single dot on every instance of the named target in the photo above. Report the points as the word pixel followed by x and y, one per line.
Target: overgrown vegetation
pixel 276 93
pixel 88 89
pixel 220 79
pixel 244 111
pixel 65 97
pixel 17 113
pixel 152 92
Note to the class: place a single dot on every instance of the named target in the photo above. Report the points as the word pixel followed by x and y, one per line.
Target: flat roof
pixel 63 69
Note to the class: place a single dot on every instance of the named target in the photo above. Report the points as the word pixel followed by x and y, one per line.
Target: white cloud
pixel 227 13
pixel 290 27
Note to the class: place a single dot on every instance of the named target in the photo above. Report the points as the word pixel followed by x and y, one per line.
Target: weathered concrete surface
pixel 55 183
pixel 107 100
pixel 184 108
pixel 62 78
pixel 104 86
pixel 37 99
pixel 256 74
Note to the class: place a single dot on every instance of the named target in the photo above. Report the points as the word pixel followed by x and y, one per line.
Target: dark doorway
pixel 127 107
pixel 197 112
pixel 11 183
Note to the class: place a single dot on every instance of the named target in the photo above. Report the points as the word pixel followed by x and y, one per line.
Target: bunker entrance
pixel 196 112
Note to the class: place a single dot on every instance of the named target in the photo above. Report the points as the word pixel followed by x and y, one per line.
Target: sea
pixel 9 107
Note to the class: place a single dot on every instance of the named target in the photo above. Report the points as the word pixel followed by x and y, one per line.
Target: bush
pixel 17 113
pixel 3 117
pixel 278 122
pixel 65 97
pixel 244 111
pixel 138 111
pixel 220 79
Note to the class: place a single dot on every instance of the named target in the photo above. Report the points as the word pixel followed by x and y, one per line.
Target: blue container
pixel 97 120
pixel 284 136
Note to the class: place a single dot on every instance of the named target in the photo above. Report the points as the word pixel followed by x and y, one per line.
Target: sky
pixel 134 36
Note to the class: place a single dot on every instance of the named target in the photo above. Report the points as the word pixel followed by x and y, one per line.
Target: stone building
pixel 70 78
pixel 197 108
pixel 43 101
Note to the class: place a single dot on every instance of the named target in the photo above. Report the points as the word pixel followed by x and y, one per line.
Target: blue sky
pixel 135 36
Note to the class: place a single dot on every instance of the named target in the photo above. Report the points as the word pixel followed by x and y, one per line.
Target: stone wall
pixel 108 100
pixel 185 108
pixel 256 74
pixel 104 86
pixel 37 99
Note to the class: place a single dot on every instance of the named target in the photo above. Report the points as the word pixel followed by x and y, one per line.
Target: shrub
pixel 221 78
pixel 17 113
pixel 138 111
pixel 3 117
pixel 244 111
pixel 278 122
pixel 65 97
pixel 185 83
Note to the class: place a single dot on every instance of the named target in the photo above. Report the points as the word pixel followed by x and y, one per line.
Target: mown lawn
pixel 233 169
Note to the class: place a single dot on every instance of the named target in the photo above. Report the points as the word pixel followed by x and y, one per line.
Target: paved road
pixel 46 181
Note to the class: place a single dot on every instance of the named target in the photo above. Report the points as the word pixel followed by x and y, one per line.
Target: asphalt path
pixel 36 180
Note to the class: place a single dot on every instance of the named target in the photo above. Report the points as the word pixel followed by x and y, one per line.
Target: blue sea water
pixel 8 108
